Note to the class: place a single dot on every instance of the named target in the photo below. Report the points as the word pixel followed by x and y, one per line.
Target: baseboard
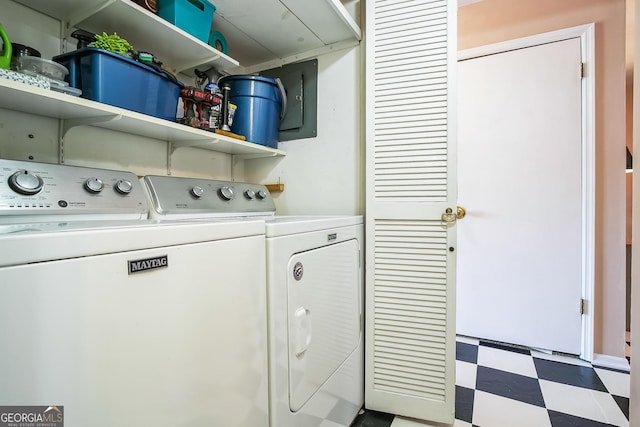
pixel 611 362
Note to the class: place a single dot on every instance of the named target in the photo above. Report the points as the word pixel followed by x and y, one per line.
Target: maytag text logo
pixel 140 265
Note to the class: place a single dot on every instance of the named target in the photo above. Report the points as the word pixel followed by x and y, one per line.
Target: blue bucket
pixel 260 102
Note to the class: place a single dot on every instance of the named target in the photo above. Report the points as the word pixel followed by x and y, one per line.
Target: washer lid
pixel 39 242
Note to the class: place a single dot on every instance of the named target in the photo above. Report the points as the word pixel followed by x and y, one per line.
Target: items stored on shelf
pixel 217 40
pixel 117 80
pixel 193 16
pixel 261 103
pixel 150 5
pixel 5 59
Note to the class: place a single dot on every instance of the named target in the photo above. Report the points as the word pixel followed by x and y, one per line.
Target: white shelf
pixel 257 31
pixel 266 31
pixel 143 29
pixel 76 111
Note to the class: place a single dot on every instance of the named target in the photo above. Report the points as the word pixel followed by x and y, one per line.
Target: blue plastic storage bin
pixel 117 80
pixel 193 16
pixel 259 107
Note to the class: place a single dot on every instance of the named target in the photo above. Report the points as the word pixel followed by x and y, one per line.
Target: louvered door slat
pixel 410 357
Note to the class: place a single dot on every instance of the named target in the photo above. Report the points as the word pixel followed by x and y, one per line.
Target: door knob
pixel 450 217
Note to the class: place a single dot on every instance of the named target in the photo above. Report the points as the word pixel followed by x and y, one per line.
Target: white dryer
pixel 315 293
pixel 120 321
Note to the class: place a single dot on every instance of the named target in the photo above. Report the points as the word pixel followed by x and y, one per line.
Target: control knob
pixel 123 186
pixel 261 194
pixel 94 185
pixel 197 191
pixel 25 182
pixel 250 194
pixel 226 193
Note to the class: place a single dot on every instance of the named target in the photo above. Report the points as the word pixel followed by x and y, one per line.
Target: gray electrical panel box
pixel 300 81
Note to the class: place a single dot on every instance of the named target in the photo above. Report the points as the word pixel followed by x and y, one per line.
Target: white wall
pixel 323 175
pixel 24 137
pixel 634 402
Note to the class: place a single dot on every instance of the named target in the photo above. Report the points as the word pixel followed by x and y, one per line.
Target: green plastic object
pixel 5 60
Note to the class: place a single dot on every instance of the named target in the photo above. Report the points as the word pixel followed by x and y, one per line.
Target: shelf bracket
pixel 82 14
pixel 68 124
pixel 190 143
pixel 237 158
pixel 170 149
pixel 60 145
pixel 199 64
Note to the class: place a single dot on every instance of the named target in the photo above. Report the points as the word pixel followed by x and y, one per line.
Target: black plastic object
pixel 224 125
pixel 83 37
pixel 20 50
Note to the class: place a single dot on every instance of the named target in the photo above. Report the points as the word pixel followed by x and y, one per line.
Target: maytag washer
pixel 315 301
pixel 117 320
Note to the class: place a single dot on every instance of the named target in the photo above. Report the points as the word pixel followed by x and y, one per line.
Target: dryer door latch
pixel 302 331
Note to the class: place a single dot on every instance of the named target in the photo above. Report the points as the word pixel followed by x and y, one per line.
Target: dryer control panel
pixel 171 197
pixel 30 188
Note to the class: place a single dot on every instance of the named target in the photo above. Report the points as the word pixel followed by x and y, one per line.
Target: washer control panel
pixel 195 197
pixel 30 188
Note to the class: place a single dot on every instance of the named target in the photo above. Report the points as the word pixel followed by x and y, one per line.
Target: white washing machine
pixel 315 302
pixel 117 320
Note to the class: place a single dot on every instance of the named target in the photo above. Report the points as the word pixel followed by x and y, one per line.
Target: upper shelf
pixel 257 31
pixel 143 29
pixel 262 31
pixel 76 111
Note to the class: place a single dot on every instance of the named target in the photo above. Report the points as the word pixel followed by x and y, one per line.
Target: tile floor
pixel 499 386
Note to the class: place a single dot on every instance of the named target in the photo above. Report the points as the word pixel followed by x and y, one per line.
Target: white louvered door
pixel 410 156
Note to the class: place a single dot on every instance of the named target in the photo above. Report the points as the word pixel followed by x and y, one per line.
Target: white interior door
pixel 410 249
pixel 520 166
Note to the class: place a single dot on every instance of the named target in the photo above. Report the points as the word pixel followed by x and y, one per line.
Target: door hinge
pixel 581 71
pixel 583 305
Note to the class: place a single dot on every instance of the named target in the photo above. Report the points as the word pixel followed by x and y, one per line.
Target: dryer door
pixel 324 293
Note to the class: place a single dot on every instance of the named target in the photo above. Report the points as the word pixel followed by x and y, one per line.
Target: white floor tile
pixel 327 423
pixel 468 340
pixel 616 382
pixel 466 374
pixel 460 423
pixel 558 358
pixel 507 361
pixel 495 411
pixel 410 422
pixel 582 402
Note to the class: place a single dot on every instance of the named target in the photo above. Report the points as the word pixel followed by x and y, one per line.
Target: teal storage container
pixel 193 16
pixel 260 103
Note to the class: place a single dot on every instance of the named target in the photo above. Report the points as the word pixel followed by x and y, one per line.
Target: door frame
pixel 586 33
